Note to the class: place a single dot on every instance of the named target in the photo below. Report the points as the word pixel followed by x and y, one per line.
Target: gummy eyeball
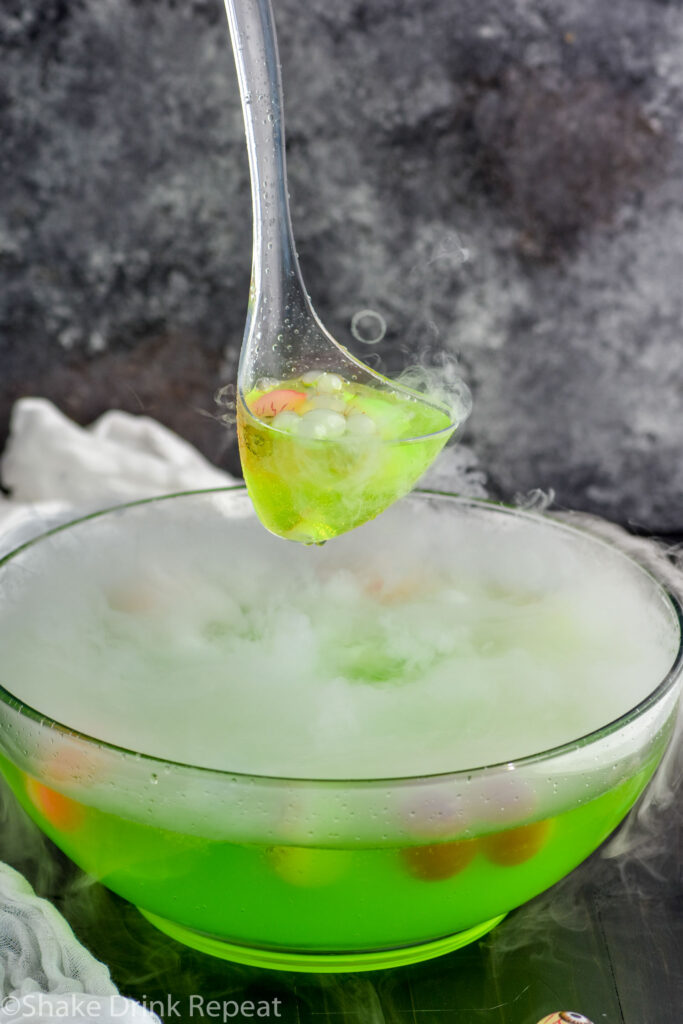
pixel 565 1017
pixel 61 811
pixel 516 845
pixel 133 598
pixel 438 861
pixel 277 401
pixel 307 867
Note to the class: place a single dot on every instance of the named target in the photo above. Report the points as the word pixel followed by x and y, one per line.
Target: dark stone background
pixel 544 138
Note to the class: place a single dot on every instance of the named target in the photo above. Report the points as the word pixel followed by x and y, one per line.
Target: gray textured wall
pixel 545 138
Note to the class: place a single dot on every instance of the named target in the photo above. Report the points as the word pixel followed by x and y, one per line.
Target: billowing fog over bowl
pixel 337 757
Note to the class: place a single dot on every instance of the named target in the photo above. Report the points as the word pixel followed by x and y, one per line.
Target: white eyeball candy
pixel 322 424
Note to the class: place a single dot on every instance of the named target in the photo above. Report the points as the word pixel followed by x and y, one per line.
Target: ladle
pixel 367 439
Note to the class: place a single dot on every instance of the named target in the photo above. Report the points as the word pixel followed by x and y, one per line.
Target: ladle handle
pixel 254 43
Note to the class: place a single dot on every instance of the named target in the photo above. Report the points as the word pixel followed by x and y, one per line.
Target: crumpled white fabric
pixel 54 468
pixel 120 456
pixel 45 973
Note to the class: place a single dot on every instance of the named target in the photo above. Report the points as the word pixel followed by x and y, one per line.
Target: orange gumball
pixel 516 845
pixel 61 811
pixel 410 588
pixel 438 861
pixel 134 598
pixel 279 400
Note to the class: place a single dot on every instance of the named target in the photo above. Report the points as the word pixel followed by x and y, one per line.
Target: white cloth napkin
pixel 45 973
pixel 53 468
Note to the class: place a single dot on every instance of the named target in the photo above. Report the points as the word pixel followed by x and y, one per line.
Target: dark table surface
pixel 607 942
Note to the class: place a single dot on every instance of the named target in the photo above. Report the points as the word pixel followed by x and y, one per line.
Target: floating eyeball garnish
pixel 307 867
pixel 565 1017
pixel 516 845
pixel 438 817
pixel 59 810
pixel 59 766
pixel 506 804
pixel 401 589
pixel 439 861
pixel 132 599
